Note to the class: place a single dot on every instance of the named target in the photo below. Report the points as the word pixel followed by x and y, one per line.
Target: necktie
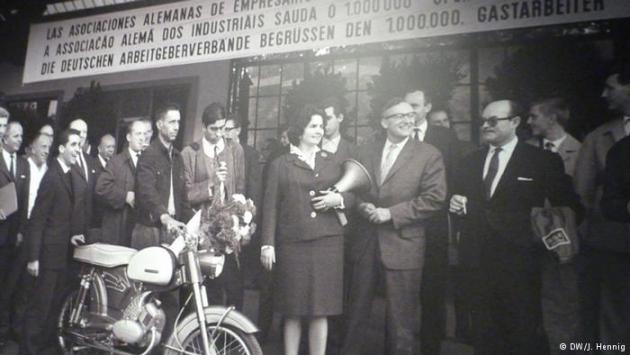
pixel 550 147
pixel 386 165
pixel 493 168
pixel 11 169
pixel 417 134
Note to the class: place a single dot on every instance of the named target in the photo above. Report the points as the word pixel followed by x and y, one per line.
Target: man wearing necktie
pixel 605 248
pixel 409 187
pixel 214 168
pixel 83 179
pixel 115 187
pixel 13 169
pixel 433 294
pixel 494 192
pixel 560 297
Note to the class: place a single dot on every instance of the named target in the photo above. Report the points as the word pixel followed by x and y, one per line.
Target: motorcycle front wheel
pixel 228 340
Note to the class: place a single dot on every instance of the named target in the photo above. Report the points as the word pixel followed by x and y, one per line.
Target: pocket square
pixel 520 178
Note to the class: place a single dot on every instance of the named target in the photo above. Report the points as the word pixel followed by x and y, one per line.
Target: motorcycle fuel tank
pixel 153 265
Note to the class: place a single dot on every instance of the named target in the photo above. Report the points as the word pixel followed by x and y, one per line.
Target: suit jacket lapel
pixel 375 169
pixel 3 167
pixel 402 157
pixel 299 163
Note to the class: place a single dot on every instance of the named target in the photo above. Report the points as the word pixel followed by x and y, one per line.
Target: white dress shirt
pixel 7 161
pixel 134 157
pixel 420 130
pixel 209 148
pixel 395 153
pixel 37 173
pixel 331 145
pixel 103 161
pixel 556 143
pixel 64 167
pixel 504 157
pixel 626 125
pixel 84 166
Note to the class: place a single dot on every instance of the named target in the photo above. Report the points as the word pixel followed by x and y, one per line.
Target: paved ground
pixel 374 340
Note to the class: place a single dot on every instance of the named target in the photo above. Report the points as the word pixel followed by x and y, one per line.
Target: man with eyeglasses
pixel 214 168
pixel 433 294
pixel 494 192
pixel 409 187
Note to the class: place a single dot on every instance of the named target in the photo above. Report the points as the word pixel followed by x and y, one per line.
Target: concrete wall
pixel 210 83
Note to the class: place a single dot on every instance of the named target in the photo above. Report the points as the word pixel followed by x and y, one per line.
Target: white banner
pixel 201 31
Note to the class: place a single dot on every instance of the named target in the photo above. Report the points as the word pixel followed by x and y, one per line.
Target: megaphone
pixel 355 178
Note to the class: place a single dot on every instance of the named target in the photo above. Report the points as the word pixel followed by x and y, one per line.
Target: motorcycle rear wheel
pixel 228 341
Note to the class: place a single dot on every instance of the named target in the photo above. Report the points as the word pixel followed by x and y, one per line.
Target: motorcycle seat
pixel 105 255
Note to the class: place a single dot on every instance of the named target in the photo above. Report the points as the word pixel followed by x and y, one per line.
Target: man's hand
pixel 457 205
pixel 19 238
pixel 222 172
pixel 77 240
pixel 268 257
pixel 366 208
pixel 2 215
pixel 131 199
pixel 33 268
pixel 171 223
pixel 380 216
pixel 326 200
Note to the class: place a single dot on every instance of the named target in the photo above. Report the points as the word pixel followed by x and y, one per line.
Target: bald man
pixel 494 192
pixel 106 149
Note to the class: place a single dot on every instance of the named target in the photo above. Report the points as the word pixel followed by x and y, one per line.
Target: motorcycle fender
pixel 234 318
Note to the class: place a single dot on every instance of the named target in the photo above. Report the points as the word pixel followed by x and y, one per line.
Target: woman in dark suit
pixel 302 233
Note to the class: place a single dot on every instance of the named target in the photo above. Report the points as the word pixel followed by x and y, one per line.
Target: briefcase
pixel 556 228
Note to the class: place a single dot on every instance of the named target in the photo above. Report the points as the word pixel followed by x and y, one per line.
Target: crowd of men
pixel 441 211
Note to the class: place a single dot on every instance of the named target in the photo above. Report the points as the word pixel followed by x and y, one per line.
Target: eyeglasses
pixel 493 121
pixel 400 116
pixel 216 128
pixel 229 128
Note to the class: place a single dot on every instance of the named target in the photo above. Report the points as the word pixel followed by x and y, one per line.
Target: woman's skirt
pixel 309 277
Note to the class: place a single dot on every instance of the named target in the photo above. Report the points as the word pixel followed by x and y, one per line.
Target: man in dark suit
pixel 13 169
pixel 51 234
pixel 84 174
pixel 115 188
pixel 409 187
pixel 616 198
pixel 435 277
pixel 495 191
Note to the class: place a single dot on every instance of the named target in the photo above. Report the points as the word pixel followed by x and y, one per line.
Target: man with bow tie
pixel 115 187
pixel 409 187
pixel 494 192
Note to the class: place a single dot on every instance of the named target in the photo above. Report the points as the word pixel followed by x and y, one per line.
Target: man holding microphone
pixel 214 168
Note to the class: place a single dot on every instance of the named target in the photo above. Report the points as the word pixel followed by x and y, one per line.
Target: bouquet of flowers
pixel 226 226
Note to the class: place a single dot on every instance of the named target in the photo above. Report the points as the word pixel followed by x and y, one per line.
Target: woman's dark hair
pixel 298 123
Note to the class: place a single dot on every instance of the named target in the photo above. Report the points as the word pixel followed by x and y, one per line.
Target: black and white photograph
pixel 314 177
